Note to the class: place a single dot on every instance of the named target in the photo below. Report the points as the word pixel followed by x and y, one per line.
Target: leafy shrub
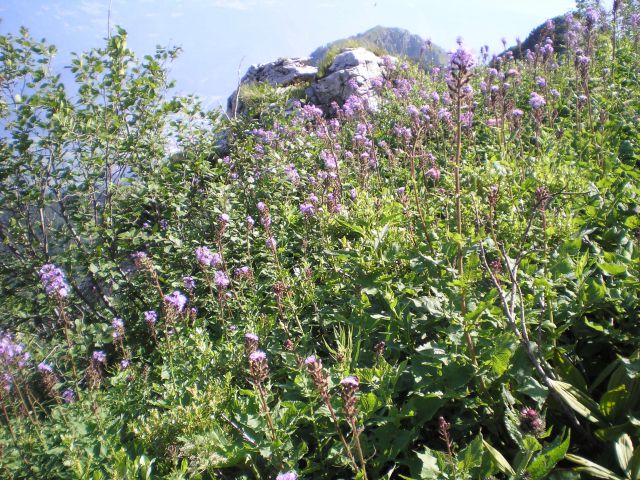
pixel 445 287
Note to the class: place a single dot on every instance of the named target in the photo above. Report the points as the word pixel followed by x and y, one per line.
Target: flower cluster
pixel 176 301
pixel 53 280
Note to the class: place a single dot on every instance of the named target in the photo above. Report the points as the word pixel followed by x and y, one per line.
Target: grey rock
pixel 283 72
pixel 351 73
pixel 357 64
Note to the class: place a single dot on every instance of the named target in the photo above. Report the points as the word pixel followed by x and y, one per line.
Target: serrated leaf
pixel 550 455
pixel 429 470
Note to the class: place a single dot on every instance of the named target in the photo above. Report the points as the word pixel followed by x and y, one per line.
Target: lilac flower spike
pixel 221 280
pixel 252 337
pixel 118 328
pixel 68 396
pixel 461 60
pixel 45 367
pixel 52 279
pixel 592 15
pixel 258 356
pixel 536 101
pixel 189 282
pixel 287 476
pixel 350 381
pixel 307 209
pixel 99 356
pixel 150 317
pixel 204 256
pixel 176 300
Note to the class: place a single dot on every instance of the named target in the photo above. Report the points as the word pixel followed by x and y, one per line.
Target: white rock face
pixel 358 64
pixel 282 72
pixel 351 73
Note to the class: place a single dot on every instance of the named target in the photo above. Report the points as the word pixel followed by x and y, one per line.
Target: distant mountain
pixel 395 41
pixel 557 32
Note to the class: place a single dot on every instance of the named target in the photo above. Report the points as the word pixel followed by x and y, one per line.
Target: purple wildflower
pixel 350 381
pixel 308 209
pixel 150 317
pixel 176 300
pixel 536 101
pixel 68 396
pixel 287 476
pixel 592 15
pixel 189 282
pixel 204 256
pixel 99 356
pixel 45 367
pixel 52 279
pixel 118 328
pixel 461 60
pixel 330 162
pixel 258 356
pixel 221 280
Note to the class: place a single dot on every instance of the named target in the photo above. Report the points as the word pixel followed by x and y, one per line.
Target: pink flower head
pixel 350 381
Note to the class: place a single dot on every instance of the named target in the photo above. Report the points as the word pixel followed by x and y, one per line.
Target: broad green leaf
pixel 612 268
pixel 577 400
pixel 613 401
pixel 502 462
pixel 592 468
pixel 430 470
pixel 550 455
pixel 633 468
pixel 624 451
pixel 471 456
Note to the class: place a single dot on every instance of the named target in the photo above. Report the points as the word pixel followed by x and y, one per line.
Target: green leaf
pixel 612 268
pixel 471 456
pixel 624 451
pixel 369 403
pixel 577 400
pixel 429 470
pixel 592 468
pixel 502 463
pixel 633 468
pixel 613 401
pixel 551 454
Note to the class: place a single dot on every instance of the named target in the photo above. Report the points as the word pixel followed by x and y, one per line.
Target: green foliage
pixel 485 298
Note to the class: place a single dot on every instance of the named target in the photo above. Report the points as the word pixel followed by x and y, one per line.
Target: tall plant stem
pixel 356 436
pixel 460 260
pixel 347 448
pixel 265 410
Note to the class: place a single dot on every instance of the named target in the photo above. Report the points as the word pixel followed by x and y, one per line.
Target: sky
pixel 222 38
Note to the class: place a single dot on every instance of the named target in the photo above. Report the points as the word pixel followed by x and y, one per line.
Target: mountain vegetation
pixel 392 41
pixel 445 286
